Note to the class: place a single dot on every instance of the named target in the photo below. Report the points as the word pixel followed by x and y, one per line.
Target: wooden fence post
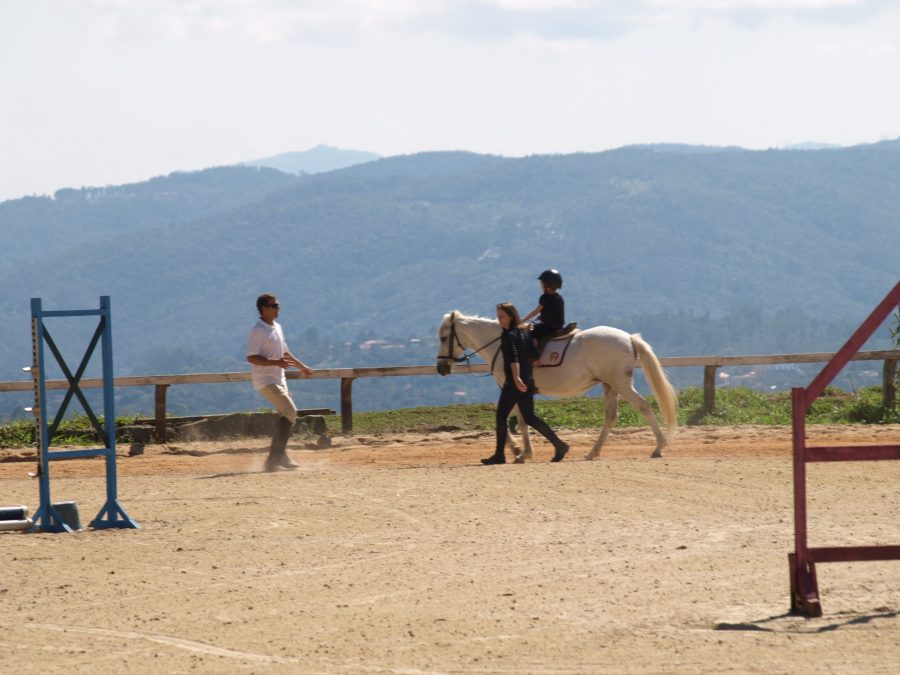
pixel 891 359
pixel 888 386
pixel 161 412
pixel 346 404
pixel 709 388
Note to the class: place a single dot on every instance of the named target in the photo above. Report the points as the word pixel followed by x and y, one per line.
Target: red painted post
pixel 799 446
pixel 853 345
pixel 804 589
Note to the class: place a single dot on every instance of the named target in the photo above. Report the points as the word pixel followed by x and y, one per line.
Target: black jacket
pixel 515 348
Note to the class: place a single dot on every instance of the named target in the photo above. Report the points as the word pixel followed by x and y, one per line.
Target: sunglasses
pixel 274 305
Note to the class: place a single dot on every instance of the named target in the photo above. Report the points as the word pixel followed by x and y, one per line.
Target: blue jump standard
pixel 111 515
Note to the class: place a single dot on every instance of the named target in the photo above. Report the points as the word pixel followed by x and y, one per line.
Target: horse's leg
pixel 641 405
pixel 510 441
pixel 526 439
pixel 610 408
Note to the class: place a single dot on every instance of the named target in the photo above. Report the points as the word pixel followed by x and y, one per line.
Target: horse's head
pixel 447 343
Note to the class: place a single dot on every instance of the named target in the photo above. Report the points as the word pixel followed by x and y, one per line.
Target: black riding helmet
pixel 552 278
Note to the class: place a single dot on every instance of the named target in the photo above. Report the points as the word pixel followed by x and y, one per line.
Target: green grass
pixel 733 406
pixel 76 430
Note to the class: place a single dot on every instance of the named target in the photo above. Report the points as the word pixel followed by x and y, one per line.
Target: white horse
pixel 600 354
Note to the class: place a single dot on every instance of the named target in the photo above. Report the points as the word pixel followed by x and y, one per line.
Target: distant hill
pixel 811 146
pixel 731 251
pixel 38 229
pixel 315 160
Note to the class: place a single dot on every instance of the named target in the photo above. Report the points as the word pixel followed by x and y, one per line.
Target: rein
pixel 454 338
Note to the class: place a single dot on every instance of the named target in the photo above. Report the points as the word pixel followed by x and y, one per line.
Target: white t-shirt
pixel 267 341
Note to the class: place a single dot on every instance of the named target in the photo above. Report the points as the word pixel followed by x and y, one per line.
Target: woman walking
pixel 518 386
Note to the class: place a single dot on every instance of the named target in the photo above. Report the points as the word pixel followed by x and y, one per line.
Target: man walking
pixel 268 355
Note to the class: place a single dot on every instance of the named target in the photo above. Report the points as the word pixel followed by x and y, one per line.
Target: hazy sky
pixel 98 92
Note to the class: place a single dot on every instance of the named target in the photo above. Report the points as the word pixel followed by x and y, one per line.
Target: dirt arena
pixel 402 554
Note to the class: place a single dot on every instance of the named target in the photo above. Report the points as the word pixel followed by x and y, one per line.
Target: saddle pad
pixel 554 351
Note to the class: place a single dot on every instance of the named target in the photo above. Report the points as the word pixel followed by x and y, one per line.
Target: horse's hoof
pixel 519 460
pixel 589 457
pixel 656 454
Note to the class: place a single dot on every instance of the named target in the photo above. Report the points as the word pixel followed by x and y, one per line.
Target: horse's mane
pixel 460 315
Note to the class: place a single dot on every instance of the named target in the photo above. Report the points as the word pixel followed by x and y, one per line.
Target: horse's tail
pixel 659 383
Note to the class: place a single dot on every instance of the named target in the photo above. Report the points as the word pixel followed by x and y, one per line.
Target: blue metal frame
pixel 47 519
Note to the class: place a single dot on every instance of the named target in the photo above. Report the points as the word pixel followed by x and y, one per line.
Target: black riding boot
pixel 560 447
pixel 496 458
pixel 277 451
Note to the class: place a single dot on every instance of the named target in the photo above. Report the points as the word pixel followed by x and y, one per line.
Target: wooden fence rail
pixel 347 375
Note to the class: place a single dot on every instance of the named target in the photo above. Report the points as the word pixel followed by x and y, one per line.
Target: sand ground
pixel 402 554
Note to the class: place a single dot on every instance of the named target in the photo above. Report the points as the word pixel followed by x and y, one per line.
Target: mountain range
pixel 648 235
pixel 315 160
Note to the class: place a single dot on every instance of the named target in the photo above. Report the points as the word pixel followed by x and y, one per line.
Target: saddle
pixel 554 356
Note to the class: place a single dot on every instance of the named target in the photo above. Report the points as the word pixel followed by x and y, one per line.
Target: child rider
pixel 551 307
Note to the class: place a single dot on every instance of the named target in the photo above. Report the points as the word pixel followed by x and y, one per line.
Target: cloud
pixel 341 21
pixel 609 19
pixel 753 13
pixel 542 18
pixel 263 21
pixel 882 49
pixel 752 5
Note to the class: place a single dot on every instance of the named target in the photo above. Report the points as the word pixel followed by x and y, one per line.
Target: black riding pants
pixel 541 331
pixel 510 396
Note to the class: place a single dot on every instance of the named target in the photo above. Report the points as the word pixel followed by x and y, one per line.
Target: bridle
pixel 453 339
